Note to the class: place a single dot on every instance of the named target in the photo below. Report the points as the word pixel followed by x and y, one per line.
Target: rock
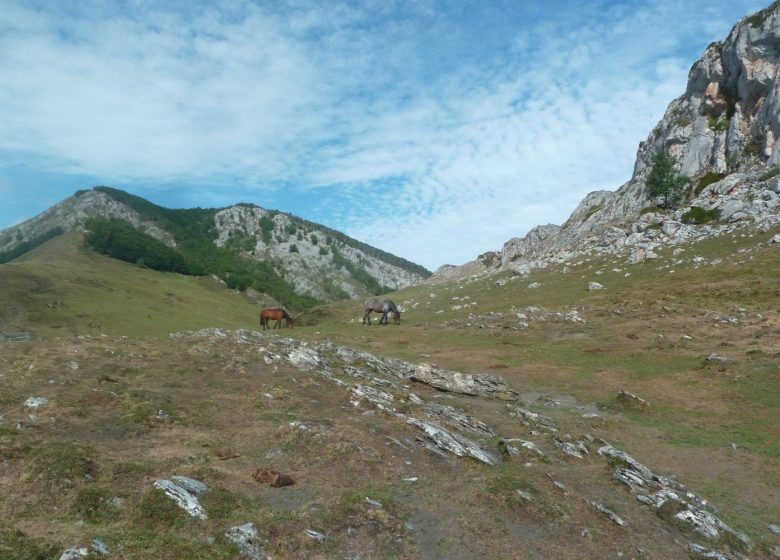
pixel 184 498
pixel 100 547
pixel 317 536
pixel 715 358
pixel 190 484
pixel 594 286
pixel 74 553
pixel 532 418
pixel 478 385
pixel 630 400
pixel 455 444
pixel 524 495
pixel 458 419
pixel 381 399
pixel 246 539
pixel 35 402
pixel 774 528
pixel 534 286
pixel 273 478
pixel 608 512
pixel 775 239
pixel 516 446
pixel 574 450
pixel 703 552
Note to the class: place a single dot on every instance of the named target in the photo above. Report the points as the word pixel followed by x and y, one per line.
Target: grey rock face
pixel 726 122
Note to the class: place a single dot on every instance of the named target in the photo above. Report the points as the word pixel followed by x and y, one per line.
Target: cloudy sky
pixel 435 130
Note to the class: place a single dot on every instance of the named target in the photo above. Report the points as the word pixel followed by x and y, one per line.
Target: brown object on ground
pixel 274 478
pixel 225 453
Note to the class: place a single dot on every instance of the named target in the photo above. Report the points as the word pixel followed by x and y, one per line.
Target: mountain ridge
pixel 316 261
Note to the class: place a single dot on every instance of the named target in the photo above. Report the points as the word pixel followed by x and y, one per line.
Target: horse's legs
pixel 367 318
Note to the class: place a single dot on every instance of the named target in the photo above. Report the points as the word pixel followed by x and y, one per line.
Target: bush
pixel 293 248
pixel 707 180
pixel 698 215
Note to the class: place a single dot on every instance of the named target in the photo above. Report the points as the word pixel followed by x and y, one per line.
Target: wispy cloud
pixel 459 125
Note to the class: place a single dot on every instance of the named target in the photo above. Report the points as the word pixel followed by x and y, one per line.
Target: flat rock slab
pixel 184 498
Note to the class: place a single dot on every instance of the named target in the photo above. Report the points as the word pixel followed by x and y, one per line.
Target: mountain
pixel 722 134
pixel 294 261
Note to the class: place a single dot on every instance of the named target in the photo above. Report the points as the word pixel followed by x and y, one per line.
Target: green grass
pixel 64 289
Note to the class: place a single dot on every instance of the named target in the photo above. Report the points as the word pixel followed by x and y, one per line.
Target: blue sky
pixel 433 130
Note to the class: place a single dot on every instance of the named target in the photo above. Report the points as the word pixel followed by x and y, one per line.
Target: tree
pixel 664 181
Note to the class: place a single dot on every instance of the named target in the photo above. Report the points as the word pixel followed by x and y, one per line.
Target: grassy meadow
pixel 696 334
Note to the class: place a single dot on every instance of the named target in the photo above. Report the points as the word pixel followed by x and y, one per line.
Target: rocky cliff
pixel 723 133
pixel 316 260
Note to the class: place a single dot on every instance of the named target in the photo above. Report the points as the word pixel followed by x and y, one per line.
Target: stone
pixel 100 547
pixel 36 402
pixel 533 418
pixel 703 552
pixel 629 399
pixel 774 528
pixel 715 358
pixel 184 498
pixel 456 382
pixel 616 519
pixel 455 444
pixel 316 535
pixel 594 286
pixel 246 539
pixel 74 553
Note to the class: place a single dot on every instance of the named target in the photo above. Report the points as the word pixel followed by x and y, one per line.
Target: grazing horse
pixel 383 306
pixel 275 314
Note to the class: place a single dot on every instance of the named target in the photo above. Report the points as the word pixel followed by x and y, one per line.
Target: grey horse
pixel 383 306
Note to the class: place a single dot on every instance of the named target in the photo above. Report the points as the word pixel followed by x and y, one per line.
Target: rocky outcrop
pixel 71 214
pixel 310 257
pixel 723 128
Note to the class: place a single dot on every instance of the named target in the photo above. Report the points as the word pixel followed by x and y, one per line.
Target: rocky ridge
pixel 316 260
pixel 386 385
pixel 723 134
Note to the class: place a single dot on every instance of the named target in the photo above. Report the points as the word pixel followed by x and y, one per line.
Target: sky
pixel 435 130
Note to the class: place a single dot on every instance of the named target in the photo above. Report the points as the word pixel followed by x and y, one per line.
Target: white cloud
pixel 463 125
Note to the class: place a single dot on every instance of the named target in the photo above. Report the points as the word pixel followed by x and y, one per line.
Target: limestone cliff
pixel 723 134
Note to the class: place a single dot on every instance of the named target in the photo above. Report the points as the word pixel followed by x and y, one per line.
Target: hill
pixel 63 289
pixel 293 261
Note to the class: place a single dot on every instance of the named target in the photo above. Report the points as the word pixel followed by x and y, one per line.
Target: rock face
pixel 723 129
pixel 317 260
pixel 305 252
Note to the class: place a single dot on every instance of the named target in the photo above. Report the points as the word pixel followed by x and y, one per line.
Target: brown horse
pixel 275 314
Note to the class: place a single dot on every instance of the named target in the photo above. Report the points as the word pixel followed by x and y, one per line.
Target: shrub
pixel 698 215
pixel 707 180
pixel 770 173
pixel 293 248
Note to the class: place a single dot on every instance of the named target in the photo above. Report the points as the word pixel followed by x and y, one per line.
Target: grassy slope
pixel 631 337
pixel 62 289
